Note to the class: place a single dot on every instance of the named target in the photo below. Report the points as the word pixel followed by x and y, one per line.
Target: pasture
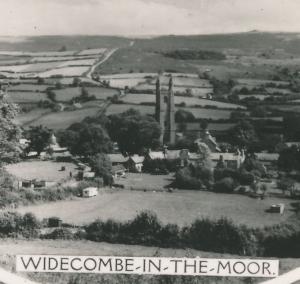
pixel 26 97
pixel 179 207
pixel 119 108
pixel 66 94
pixel 41 170
pixel 195 91
pixel 27 117
pixel 28 87
pixel 65 71
pixel 63 119
pixel 287 108
pixel 258 82
pixel 199 113
pixel 189 101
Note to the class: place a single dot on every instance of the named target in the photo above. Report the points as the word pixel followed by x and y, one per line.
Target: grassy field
pixel 128 60
pixel 119 108
pixel 28 87
pixel 179 207
pixel 26 97
pixel 25 118
pixel 100 93
pixel 69 71
pixel 287 108
pixel 199 113
pixel 189 101
pixel 41 170
pixel 9 248
pixel 63 119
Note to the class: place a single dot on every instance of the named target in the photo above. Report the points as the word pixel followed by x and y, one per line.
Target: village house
pixel 118 159
pixel 118 171
pixel 230 160
pixel 135 163
pixel 269 160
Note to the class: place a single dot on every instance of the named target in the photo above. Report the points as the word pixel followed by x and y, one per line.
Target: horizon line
pixel 153 35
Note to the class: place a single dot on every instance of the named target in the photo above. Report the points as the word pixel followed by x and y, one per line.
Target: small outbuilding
pixel 90 192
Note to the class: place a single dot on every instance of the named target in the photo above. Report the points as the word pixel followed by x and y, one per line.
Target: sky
pixel 146 17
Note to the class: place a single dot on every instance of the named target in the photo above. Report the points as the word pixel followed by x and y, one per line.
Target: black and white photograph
pixel 149 141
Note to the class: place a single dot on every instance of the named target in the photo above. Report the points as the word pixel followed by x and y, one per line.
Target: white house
pixel 90 192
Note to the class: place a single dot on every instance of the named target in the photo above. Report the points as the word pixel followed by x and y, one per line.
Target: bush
pixel 226 185
pixel 13 224
pixel 60 233
pixel 219 236
pixel 185 180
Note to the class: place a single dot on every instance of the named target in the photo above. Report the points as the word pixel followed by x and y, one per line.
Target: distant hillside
pixel 55 43
pixel 290 42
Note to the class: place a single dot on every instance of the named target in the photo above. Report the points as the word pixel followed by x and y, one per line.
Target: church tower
pixel 165 112
pixel 171 113
pixel 160 110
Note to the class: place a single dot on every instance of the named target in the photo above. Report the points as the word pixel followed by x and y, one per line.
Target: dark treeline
pixel 221 236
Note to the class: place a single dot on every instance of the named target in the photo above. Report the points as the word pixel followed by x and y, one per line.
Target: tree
pixel 10 133
pixel 51 95
pixel 134 131
pixel 102 167
pixel 259 111
pixel 76 82
pixel 243 134
pixel 286 184
pixel 289 159
pixel 40 81
pixel 85 139
pixel 39 137
pixel 58 85
pixel 291 122
pixel 63 48
pixel 182 115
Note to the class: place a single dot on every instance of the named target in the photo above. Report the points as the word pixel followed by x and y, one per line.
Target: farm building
pixel 90 192
pixel 118 171
pixel 117 159
pixel 135 163
pixel 291 144
pixel 267 159
pixel 230 160
pixel 35 183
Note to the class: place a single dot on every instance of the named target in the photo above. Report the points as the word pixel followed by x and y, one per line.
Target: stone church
pixel 165 112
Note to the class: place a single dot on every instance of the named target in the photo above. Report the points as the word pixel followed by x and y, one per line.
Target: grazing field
pixel 195 91
pixel 63 119
pixel 127 60
pixel 26 97
pixel 27 117
pixel 199 113
pixel 41 170
pixel 179 207
pixel 129 82
pixel 189 101
pixel 287 108
pixel 66 94
pixel 215 114
pixel 258 82
pixel 257 96
pixel 28 87
pixel 278 91
pixel 119 108
pixel 100 93
pixel 92 51
pixel 65 71
pixel 79 62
